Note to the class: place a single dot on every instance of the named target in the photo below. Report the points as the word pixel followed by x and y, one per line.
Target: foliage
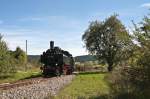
pixel 125 84
pixel 10 60
pixel 142 35
pixel 108 40
pixel 133 81
pixel 19 57
pixel 6 62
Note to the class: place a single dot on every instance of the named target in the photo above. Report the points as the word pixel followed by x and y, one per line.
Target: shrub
pixel 6 61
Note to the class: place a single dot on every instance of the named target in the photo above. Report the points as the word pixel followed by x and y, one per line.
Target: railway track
pixel 25 82
pixel 37 88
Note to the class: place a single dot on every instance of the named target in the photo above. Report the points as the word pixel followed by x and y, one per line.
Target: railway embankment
pixel 37 90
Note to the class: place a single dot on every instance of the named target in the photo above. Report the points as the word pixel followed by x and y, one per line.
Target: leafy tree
pixel 142 33
pixel 20 56
pixel 133 81
pixel 142 36
pixel 10 60
pixel 6 62
pixel 108 40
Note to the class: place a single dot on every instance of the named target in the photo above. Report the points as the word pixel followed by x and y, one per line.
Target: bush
pixel 20 58
pixel 130 82
pixel 7 66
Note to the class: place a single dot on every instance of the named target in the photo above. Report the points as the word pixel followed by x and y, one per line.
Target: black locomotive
pixel 56 61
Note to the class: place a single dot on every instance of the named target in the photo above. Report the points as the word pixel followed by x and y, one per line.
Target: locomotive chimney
pixel 51 44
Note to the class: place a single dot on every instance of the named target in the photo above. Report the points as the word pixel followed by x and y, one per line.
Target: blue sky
pixel 63 21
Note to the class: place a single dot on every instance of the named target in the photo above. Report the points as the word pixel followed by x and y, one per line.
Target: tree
pixel 142 36
pixel 20 56
pixel 6 62
pixel 108 40
pixel 142 33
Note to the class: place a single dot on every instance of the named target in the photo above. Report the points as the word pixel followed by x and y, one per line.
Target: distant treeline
pixel 85 58
pixel 33 58
pixel 82 58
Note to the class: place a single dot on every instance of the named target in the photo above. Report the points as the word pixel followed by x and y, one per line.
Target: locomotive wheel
pixel 45 74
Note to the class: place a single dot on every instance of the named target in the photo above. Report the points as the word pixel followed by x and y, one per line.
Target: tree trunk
pixel 110 67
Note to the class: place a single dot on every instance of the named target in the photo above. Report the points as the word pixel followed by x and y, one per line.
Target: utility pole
pixel 26 47
pixel 26 53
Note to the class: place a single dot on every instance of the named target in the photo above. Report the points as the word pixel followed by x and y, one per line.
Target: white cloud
pixel 64 30
pixel 146 5
pixel 37 43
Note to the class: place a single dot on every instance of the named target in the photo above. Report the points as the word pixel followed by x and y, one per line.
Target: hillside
pixel 33 58
pixel 82 58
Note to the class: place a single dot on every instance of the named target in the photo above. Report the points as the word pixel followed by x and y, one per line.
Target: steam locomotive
pixel 56 61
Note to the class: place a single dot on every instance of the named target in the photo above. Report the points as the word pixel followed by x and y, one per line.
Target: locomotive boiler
pixel 56 61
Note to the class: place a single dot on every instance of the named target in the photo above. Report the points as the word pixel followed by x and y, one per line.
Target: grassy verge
pixel 85 86
pixel 21 75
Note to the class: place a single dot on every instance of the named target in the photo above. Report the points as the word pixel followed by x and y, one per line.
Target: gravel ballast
pixel 38 90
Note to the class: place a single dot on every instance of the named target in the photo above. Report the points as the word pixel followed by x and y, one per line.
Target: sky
pixel 63 21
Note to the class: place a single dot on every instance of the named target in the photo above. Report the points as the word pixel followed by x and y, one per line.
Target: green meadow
pixel 86 86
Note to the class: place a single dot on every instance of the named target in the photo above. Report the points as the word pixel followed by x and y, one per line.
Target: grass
pixel 85 86
pixel 21 75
